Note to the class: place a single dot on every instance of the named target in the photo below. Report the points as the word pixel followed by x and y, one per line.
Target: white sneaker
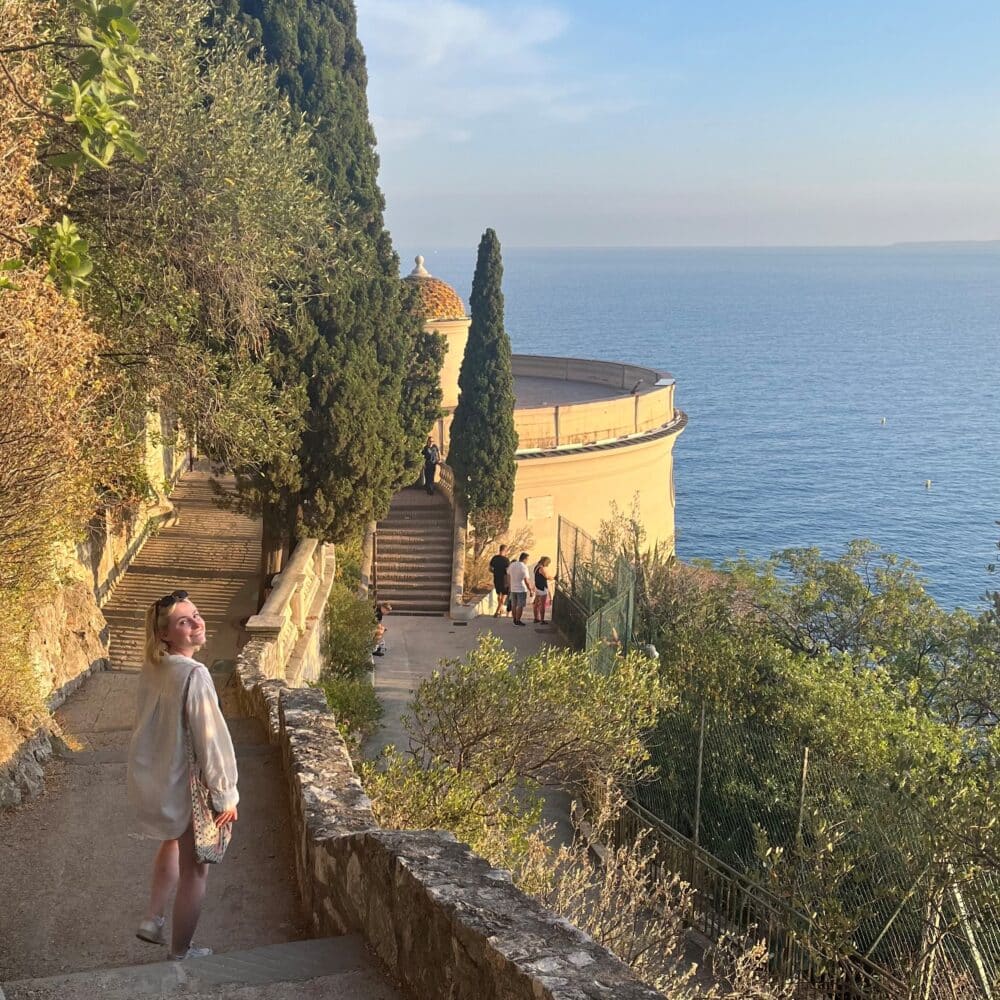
pixel 192 952
pixel 151 931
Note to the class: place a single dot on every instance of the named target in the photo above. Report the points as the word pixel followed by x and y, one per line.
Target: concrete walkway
pixel 73 878
pixel 417 645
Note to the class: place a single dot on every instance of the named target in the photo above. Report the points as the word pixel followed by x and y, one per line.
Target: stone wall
pixel 113 540
pixel 68 637
pixel 445 924
pixel 22 776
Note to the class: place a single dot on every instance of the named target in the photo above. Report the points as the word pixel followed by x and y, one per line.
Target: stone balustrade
pixel 292 609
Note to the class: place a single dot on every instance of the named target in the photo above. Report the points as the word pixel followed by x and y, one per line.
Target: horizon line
pixel 898 244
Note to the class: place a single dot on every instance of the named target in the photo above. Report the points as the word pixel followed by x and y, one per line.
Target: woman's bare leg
pixel 190 893
pixel 165 874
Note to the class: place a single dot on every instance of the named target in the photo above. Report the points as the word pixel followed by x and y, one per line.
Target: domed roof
pixel 438 300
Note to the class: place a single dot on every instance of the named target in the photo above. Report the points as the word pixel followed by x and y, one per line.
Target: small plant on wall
pixel 348 637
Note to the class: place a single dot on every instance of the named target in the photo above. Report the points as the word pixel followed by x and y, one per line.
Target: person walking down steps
pixel 179 717
pixel 432 457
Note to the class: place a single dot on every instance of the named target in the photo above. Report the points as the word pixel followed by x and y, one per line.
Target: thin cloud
pixel 439 67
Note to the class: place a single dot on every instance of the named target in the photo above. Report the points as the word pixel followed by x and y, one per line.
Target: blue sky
pixel 660 123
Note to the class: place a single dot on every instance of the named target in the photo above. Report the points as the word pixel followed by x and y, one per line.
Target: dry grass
pixel 22 704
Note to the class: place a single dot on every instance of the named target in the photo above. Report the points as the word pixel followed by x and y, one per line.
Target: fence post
pixel 803 775
pixel 697 778
pixel 978 965
pixel 576 543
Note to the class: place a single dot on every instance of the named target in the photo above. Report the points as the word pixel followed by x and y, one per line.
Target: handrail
pixel 727 900
pixel 285 615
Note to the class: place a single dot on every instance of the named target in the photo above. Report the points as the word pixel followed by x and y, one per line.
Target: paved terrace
pixel 534 390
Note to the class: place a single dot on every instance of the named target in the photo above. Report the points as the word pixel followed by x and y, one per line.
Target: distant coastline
pixel 946 245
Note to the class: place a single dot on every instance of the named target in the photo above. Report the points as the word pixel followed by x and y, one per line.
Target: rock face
pixel 67 642
pixel 69 637
pixel 22 777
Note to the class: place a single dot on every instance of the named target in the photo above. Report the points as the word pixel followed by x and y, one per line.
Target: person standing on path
pixel 543 575
pixel 432 456
pixel 499 565
pixel 176 694
pixel 520 587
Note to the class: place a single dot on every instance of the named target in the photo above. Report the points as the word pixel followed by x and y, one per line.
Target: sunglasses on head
pixel 171 599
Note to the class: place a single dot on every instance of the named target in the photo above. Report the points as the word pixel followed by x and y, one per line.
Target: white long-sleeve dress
pixel 158 787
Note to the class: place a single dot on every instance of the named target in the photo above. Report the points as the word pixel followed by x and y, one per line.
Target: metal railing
pixel 595 600
pixel 728 903
pixel 854 852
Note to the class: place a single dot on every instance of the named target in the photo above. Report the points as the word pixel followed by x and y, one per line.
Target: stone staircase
pixel 413 554
pixel 212 553
pixel 328 968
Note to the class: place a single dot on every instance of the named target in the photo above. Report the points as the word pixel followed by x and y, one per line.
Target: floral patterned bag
pixel 210 841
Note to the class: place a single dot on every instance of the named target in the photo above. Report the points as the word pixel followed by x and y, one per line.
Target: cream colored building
pixel 590 433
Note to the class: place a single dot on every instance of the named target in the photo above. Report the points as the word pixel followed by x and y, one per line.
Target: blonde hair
pixel 156 622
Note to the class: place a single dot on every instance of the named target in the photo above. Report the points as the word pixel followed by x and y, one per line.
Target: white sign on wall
pixel 537 508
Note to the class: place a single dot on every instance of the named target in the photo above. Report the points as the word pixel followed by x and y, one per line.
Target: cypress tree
pixel 483 439
pixel 358 348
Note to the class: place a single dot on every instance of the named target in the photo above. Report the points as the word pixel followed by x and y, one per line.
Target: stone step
pixel 409 562
pixel 408 533
pixel 417 545
pixel 416 552
pixel 328 968
pixel 421 585
pixel 436 512
pixel 420 579
pixel 404 604
pixel 443 515
pixel 414 560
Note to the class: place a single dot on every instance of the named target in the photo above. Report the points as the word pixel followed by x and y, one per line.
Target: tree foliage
pixel 370 371
pixel 483 439
pixel 895 699
pixel 551 718
pixel 92 83
pixel 486 732
pixel 54 450
pixel 206 245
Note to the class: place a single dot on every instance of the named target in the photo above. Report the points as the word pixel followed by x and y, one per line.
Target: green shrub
pixel 354 704
pixel 349 556
pixel 348 634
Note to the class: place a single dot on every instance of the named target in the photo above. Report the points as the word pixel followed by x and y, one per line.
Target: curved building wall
pixel 577 457
pixel 581 485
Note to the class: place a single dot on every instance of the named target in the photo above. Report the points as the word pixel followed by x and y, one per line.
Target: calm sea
pixel 824 387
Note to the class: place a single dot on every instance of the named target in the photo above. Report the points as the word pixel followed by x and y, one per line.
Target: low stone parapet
pixel 443 921
pixel 289 623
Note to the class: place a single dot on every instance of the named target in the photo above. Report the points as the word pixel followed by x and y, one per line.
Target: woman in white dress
pixel 158 771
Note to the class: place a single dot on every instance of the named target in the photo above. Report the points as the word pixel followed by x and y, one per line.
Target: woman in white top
pixel 158 771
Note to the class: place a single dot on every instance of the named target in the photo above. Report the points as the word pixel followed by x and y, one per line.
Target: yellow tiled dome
pixel 438 300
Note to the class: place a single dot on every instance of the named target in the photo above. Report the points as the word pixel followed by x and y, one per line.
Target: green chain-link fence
pixel 852 890
pixel 595 595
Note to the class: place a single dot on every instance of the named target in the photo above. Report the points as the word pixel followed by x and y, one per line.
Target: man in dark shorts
pixel 499 565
